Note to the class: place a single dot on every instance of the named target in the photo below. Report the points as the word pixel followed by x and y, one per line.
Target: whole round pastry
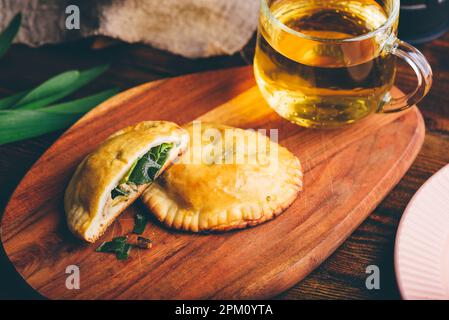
pixel 228 179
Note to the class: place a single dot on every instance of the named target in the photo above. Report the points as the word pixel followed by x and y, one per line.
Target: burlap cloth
pixel 192 28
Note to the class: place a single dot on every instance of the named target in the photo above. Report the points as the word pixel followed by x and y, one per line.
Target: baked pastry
pixel 221 183
pixel 117 172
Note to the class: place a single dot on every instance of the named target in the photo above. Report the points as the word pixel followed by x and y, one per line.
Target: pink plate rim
pixel 401 227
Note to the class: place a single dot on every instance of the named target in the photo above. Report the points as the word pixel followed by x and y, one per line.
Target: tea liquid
pixel 325 82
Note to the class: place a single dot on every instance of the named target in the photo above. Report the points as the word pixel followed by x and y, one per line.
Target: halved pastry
pixel 228 179
pixel 117 172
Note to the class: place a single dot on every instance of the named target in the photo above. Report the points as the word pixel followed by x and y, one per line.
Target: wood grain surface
pixel 347 173
pixel 342 275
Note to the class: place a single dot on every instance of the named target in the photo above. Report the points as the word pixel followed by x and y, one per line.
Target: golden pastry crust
pixel 87 200
pixel 220 196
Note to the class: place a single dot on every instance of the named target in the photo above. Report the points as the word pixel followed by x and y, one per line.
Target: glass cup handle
pixel 424 75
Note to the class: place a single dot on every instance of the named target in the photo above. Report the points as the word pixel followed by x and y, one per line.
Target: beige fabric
pixel 192 28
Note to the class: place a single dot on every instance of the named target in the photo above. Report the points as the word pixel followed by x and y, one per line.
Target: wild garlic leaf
pixel 49 88
pixel 117 192
pixel 144 171
pixel 8 35
pixel 82 105
pixel 68 87
pixel 124 253
pixel 8 102
pixel 150 164
pixel 126 177
pixel 17 125
pixel 118 246
pixel 140 222
pixel 120 239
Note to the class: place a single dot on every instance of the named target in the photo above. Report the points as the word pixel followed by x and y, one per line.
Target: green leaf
pixel 82 105
pixel 144 169
pixel 49 88
pixel 10 101
pixel 124 253
pixel 117 192
pixel 126 177
pixel 140 222
pixel 49 95
pixel 144 172
pixel 17 125
pixel 8 35
pixel 110 247
pixel 120 239
pixel 150 164
pixel 118 246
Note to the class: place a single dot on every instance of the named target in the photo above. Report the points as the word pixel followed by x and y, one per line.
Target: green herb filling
pixel 143 170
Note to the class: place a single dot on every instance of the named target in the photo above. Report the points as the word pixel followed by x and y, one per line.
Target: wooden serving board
pixel 347 173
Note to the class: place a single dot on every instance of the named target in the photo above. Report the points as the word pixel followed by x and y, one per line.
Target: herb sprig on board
pixel 121 246
pixel 38 111
pixel 140 223
pixel 118 246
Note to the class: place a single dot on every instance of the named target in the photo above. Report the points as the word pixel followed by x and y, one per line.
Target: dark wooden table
pixel 342 276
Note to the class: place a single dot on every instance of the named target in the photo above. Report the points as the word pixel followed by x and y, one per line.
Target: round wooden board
pixel 347 173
